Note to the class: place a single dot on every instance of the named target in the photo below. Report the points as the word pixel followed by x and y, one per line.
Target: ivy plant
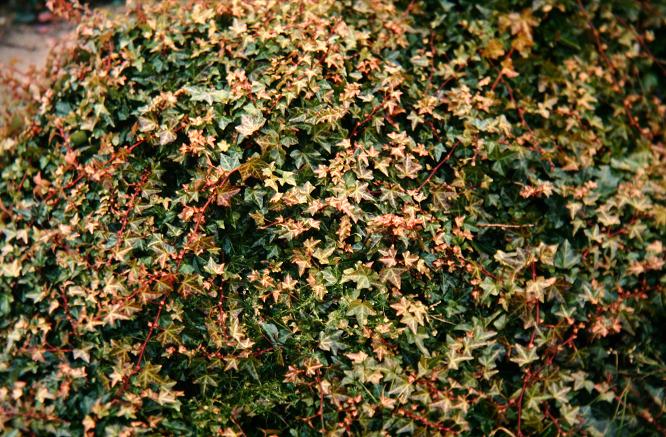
pixel 366 217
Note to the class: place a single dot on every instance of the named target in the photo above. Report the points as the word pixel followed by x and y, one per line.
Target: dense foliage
pixel 361 217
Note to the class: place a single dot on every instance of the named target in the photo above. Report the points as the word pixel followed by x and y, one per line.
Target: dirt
pixel 25 46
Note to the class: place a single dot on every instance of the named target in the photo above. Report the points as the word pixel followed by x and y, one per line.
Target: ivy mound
pixel 304 217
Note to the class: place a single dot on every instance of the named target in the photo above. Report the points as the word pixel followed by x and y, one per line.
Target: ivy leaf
pixel 566 257
pixel 250 123
pixel 166 136
pixel 272 331
pixel 210 96
pixel 392 275
pixel 361 310
pixel 570 413
pixel 205 381
pixel 147 124
pixel 5 303
pixel 214 268
pixel 150 374
pixel 362 275
pixel 168 397
pixel 229 162
pixel 524 355
pixel 12 270
pixel 323 254
pixel 402 389
pixel 170 334
pixel 331 342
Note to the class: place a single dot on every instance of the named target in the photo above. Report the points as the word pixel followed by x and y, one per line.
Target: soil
pixel 25 46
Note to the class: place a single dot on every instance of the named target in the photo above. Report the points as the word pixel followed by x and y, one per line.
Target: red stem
pixel 438 166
